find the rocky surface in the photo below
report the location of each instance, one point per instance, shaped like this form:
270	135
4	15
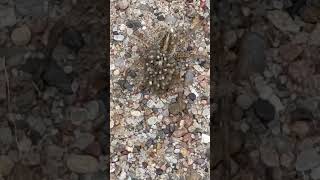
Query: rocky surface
274	47
52	105
159	136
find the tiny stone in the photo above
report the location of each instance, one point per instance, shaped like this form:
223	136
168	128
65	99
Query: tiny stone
264	110
269	156
159	171
205	138
8	16
122	27
192	96
189	76
300	128
315	173
134	24
82	163
152	121
129	31
170	19
180	132
5	136
116	72
123	4
307	160
118	37
287	159
161	17
135	113
6	165
67	69
21	36
244	127
244	101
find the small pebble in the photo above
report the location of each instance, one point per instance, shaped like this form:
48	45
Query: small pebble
21	36
161	17
67	69
116	72
180	132
192	96
205	138
135	113
122	27
118	37
129	31
122	4
159	171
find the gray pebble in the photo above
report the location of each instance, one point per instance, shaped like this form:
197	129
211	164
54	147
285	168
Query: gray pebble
244	101
83	140
134	24
160	17
170	20
192	96
78	115
37	124
315	173
31	7
252	56
188	77
307	160
82	163
5	136
93	109
123	4
7	16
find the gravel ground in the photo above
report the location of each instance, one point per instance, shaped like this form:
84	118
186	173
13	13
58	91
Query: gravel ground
153	136
52	106
274	124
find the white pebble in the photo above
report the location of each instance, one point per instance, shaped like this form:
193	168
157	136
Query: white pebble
134	48
123	175
116	72
130	149
111	124
205	138
135	113
129	31
122	27
118	37
152	121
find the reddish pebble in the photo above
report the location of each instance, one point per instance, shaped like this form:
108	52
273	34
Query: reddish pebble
94	149
180	132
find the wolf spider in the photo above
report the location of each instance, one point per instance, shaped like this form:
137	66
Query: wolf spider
162	61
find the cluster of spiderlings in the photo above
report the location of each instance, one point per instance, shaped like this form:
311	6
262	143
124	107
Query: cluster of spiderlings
160	71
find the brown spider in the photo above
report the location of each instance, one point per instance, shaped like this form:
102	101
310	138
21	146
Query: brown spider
162	61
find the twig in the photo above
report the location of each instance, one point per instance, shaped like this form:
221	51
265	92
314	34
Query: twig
9	100
37	88
7	83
